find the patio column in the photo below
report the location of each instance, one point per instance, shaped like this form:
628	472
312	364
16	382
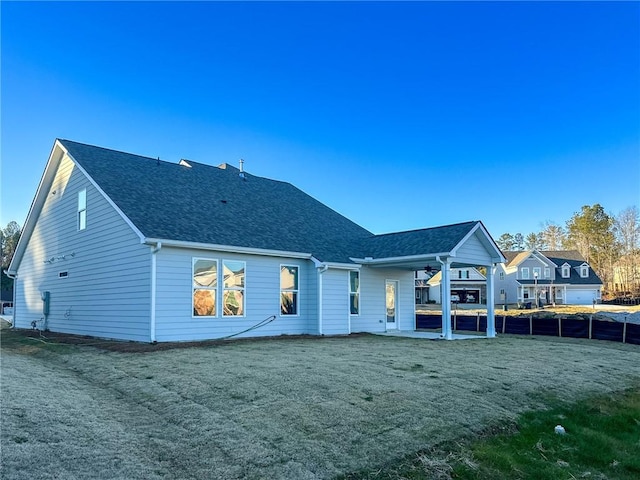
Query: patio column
491	318
446	299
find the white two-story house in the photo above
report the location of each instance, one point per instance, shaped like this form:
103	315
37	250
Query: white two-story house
546	277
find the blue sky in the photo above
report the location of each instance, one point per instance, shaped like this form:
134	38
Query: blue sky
397	115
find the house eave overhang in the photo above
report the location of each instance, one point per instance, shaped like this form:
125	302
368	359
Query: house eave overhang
226	248
412	262
57	152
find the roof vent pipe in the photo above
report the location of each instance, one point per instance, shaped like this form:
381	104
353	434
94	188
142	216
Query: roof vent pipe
242	169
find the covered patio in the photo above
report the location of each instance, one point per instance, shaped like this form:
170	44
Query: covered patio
440	249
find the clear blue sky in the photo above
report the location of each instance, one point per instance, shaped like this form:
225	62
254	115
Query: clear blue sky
397	115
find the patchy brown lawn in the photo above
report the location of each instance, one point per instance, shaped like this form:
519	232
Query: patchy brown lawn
285	408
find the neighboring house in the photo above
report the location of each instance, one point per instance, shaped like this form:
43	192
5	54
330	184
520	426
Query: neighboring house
129	247
550	277
468	285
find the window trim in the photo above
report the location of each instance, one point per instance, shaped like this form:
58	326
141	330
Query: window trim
537	270
296	291
524	270
584	271
81	217
547	272
242	289
567	269
215	289
356	293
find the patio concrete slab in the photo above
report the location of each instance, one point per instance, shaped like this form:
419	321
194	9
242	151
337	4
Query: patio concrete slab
427	335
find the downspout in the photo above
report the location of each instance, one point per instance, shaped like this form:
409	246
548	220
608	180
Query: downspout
321	270
152	326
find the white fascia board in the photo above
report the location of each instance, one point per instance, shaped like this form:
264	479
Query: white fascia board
343	266
57	152
408	258
227	248
106	197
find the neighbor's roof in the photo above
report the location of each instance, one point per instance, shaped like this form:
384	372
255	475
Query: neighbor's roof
559	257
215	205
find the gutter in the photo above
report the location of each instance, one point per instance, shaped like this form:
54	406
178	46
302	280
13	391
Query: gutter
152	323
227	248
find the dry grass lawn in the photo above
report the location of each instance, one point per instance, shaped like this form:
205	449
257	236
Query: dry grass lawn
302	408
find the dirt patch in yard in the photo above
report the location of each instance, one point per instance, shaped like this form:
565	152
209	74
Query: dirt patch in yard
294	408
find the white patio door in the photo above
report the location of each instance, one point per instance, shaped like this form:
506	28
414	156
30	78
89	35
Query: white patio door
391	304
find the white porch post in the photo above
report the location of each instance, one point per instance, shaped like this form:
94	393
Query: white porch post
491	318
446	299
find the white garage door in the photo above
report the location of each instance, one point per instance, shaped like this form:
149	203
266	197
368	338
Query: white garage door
580	297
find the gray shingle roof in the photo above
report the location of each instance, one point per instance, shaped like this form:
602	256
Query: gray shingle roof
416	242
215	205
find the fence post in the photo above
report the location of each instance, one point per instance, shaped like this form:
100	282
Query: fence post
560	327
590	325
455	320
504	323
478	321
530	324
624	331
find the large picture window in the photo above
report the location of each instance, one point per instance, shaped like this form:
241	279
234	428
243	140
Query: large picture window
288	290
233	293
354	292
205	285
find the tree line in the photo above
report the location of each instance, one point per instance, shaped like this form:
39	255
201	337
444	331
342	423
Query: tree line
610	243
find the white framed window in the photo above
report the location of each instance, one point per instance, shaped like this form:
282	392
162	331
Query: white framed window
584	271
289	290
566	273
233	272
82	209
524	273
205	287
536	272
547	272
354	292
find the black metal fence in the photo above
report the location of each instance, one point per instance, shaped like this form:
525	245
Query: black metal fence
531	325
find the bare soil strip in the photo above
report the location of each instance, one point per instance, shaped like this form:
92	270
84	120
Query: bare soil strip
300	408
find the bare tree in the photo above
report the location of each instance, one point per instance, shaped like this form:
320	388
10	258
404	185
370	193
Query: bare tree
627	232
553	236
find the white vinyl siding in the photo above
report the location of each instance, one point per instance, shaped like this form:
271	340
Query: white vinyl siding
372	314
262	298
107	289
